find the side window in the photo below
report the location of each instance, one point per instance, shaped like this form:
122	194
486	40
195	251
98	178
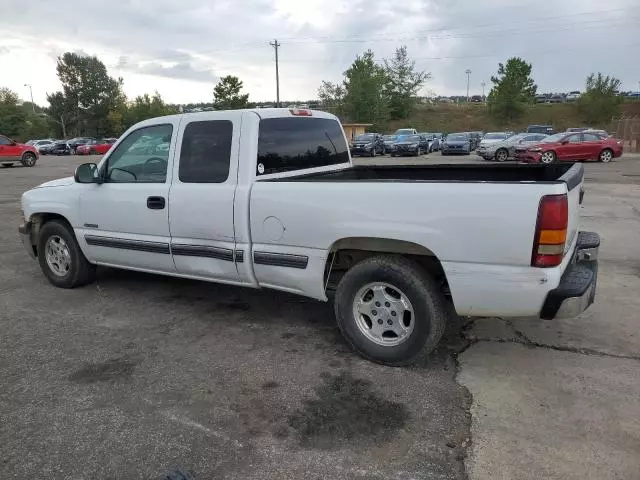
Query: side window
142	157
591	137
205	154
575	138
4	141
294	143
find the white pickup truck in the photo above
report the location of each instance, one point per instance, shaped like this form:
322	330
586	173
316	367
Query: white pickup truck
269	198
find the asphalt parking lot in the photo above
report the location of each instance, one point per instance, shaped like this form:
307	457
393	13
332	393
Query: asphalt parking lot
137	375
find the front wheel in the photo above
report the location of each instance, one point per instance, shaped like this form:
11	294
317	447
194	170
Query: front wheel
502	155
605	156
60	257
548	157
373	152
390	310
28	159
418	152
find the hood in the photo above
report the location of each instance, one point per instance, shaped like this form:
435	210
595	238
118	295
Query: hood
457	142
490	141
61	182
406	141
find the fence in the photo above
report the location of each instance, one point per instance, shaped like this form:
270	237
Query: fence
627	129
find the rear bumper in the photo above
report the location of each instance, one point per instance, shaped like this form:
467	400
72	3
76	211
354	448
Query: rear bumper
25	236
577	288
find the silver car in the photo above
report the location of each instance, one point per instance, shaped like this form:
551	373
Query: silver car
506	149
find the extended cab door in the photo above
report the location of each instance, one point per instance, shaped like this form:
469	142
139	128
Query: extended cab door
9	150
592	145
571	148
201	200
125	221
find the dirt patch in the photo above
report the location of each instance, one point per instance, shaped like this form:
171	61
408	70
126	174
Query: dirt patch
347	410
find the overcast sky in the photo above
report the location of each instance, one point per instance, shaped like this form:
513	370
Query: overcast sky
181	47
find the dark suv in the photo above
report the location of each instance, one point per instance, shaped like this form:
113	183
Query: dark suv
368	144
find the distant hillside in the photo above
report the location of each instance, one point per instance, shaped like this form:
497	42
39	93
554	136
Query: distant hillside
469	117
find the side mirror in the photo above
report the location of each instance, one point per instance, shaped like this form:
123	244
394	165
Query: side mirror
564	142
86	173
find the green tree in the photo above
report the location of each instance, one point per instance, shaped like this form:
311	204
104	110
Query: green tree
89	93
144	107
364	83
331	97
12	115
513	89
227	96
403	83
600	100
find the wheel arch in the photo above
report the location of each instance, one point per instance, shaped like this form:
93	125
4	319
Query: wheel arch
347	252
38	220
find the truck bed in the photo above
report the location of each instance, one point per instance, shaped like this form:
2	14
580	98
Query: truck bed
504	173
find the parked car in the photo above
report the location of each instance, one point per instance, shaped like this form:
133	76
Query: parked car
577	129
475	138
409	145
40	144
457	143
74	143
546	129
273	201
96	147
402	132
573	96
572	147
493	137
389	142
476	99
541	98
368	144
12	152
506	149
434	143
556	99
60	147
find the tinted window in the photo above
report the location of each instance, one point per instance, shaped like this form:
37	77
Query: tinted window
205	155
4	141
287	144
142	157
574	138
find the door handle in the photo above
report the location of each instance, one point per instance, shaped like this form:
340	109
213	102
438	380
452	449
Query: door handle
155	203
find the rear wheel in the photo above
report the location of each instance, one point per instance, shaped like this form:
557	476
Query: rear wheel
373	152
390	310
548	157
606	155
502	155
28	159
60	257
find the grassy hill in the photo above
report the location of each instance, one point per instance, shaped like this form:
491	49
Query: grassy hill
469	117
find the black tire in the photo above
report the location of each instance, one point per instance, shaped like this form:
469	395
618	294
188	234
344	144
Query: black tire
603	157
72	151
418	152
384	150
549	154
373	152
502	154
28	159
393	154
81	271
442	152
428	303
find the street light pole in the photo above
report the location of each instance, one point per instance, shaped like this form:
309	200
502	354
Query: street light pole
33	105
468	72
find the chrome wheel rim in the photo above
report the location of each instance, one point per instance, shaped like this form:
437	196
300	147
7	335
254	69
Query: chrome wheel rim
502	156
58	256
29	160
383	314
547	157
605	156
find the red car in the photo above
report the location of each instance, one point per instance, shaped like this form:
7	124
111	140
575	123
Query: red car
96	147
11	152
572	147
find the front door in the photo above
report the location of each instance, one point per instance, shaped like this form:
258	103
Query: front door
9	151
124	222
201	200
571	148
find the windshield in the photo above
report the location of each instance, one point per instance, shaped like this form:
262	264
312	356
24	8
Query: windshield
389	137
412	138
496	136
405	131
428	136
457	137
367	137
553	138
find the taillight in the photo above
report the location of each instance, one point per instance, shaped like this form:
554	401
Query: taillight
551	231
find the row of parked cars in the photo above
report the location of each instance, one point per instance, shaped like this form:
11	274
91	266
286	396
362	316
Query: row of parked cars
405	141
75	146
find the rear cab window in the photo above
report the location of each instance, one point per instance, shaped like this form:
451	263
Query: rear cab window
288	144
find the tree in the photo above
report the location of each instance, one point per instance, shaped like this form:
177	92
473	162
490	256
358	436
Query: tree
12	115
513	88
403	83
364	99
331	97
227	96
144	107
88	93
600	101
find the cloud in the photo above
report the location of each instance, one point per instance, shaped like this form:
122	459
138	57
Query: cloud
180	70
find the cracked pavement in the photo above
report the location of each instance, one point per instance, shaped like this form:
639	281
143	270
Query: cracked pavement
560	399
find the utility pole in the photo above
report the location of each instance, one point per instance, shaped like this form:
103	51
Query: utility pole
468	72
483	85
33	105
275	45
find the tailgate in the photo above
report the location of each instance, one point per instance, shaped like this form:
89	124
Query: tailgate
573	179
